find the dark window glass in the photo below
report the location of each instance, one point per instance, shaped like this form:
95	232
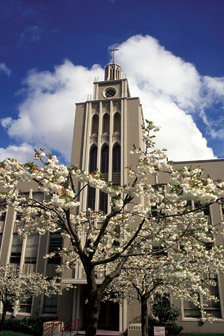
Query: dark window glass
93	159
116	159
91	197
106	123
16	249
103	201
92	168
2	216
50	304
31	249
95	123
25	305
117	122
55	244
104	159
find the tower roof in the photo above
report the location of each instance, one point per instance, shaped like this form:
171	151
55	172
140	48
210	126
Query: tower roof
113	71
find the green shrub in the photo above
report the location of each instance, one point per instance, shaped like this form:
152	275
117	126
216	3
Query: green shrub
164	314
32	326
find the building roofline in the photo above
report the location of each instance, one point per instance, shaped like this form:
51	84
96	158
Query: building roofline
104	100
109	81
199	161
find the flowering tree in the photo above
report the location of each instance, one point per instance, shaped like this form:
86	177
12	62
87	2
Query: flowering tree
16	286
160	271
104	243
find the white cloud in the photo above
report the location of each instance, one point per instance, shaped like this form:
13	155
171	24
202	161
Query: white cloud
170	90
46	117
5	69
5	122
157	70
22	153
215	84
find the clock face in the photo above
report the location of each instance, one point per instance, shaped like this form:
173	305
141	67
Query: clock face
110	92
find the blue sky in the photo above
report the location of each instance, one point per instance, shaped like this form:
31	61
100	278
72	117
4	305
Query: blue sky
171	50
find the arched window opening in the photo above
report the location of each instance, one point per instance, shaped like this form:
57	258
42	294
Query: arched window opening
92	168
116	159
91	197
93	159
105	160
117	122
106	123
95	124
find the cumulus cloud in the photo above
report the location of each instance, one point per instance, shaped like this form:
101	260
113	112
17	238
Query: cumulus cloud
46	117
172	92
215	84
22	153
5	122
154	69
4	69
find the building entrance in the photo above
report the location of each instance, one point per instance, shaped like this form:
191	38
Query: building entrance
109	313
109	316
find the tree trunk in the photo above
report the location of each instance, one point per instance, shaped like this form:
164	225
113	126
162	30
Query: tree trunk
3	316
144	316
93	306
93	312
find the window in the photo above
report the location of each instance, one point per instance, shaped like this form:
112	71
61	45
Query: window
105	159
103	201
116	158
55	244
2	216
190	310
110	92
91	197
213	307
106	123
210	306
16	249
93	159
18	216
117	122
95	123
50	304
92	168
39	196
116	169
25	305
205	208
31	249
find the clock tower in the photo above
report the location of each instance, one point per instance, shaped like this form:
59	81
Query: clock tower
106	127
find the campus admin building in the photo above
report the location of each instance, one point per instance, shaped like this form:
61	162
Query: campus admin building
106	127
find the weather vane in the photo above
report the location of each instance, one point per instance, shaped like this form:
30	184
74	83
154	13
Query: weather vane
114	49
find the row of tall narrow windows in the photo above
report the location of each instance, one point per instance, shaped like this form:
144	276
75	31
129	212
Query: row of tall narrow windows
106	124
55	243
116	169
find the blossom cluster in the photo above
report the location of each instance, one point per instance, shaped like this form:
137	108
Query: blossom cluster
148	224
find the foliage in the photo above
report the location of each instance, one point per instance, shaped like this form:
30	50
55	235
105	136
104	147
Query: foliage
32	326
164	314
142	216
